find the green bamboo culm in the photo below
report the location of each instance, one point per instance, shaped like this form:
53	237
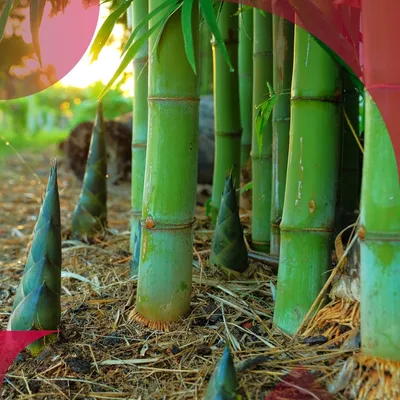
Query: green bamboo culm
380	241
228	129
134	266
37	304
206	63
169	197
350	182
89	218
308	219
283	36
245	64
223	383
228	248
139	126
261	158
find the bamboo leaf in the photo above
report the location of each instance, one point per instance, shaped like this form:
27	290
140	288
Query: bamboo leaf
36	14
264	111
4	17
271	90
208	207
209	16
247	187
106	29
134	266
262	12
145	21
353	77
187	32
129	57
259	127
243	9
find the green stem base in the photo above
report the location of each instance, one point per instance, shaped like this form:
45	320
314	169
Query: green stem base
380	298
304	259
261	204
165	278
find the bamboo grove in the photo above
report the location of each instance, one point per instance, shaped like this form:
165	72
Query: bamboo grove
286	115
286	124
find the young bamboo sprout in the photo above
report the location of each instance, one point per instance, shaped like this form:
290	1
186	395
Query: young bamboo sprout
90	215
228	250
37	303
223	382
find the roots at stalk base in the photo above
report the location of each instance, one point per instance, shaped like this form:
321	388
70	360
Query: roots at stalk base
135	316
368	378
331	320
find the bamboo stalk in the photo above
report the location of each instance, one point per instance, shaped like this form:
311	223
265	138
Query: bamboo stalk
261	158
206	62
228	130
309	205
169	197
379	241
139	128
283	35
245	96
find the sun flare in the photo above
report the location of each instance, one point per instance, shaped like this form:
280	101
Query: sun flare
86	73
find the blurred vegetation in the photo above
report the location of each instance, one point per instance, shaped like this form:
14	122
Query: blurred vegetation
11	143
48	116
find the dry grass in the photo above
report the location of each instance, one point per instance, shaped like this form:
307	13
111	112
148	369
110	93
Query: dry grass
101	355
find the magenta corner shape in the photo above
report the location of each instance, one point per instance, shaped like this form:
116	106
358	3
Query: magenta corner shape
12	343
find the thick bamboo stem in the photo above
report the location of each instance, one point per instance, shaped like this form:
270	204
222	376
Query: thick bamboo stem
206	62
169	197
139	127
310	197
228	130
246	93
261	158
283	36
379	241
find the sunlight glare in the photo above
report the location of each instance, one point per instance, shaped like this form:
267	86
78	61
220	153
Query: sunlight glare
84	74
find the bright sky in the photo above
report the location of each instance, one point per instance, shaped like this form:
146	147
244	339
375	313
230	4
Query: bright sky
104	67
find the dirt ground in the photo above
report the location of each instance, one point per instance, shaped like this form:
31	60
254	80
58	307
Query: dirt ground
99	355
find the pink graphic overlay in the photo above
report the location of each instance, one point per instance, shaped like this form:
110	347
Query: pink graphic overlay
63	38
300	384
12	343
